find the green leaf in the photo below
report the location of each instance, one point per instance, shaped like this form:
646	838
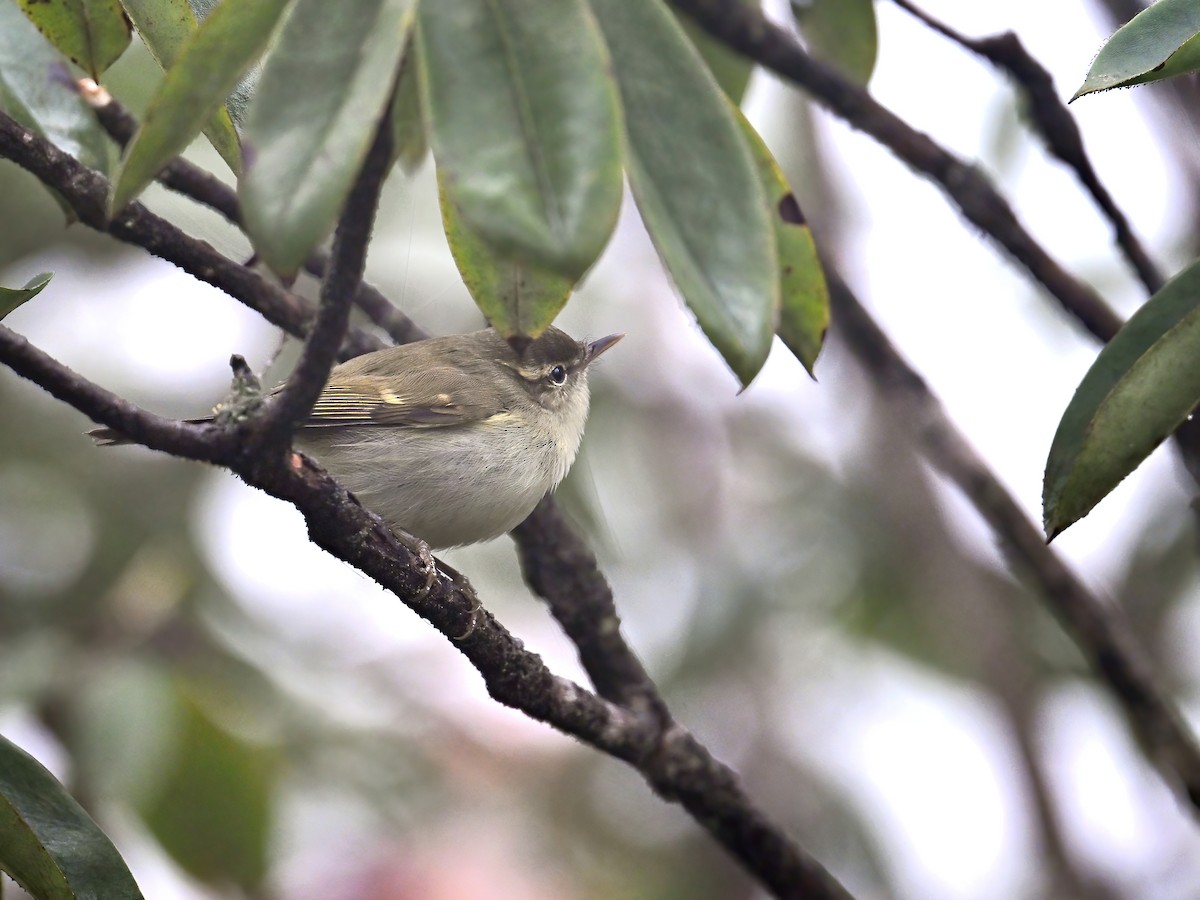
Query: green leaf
409	144
243	92
92	33
212	809
524	123
516	298
1156	43
48	844
164	25
206	69
304	148
730	68
1141	387
694	179
36	90
842	33
804	296
11	298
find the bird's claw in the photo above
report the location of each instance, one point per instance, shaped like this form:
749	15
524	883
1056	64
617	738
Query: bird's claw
476	606
460	580
430	564
434	569
423	553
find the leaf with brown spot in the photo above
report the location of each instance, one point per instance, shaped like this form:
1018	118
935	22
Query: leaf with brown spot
92	33
804	296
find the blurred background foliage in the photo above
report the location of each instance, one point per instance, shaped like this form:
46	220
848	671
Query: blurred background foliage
249	718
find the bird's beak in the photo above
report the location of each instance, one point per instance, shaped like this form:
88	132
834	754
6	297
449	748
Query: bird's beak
595	348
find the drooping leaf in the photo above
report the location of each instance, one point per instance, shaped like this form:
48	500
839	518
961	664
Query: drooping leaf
409	143
92	33
842	33
11	298
730	68
48	844
163	26
524	123
212	808
1141	387
1159	42
305	147
36	90
695	183
804	296
207	67
516	298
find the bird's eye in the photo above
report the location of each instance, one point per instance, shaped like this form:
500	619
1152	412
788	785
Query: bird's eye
557	375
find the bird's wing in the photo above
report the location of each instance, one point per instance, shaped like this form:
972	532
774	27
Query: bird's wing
439	397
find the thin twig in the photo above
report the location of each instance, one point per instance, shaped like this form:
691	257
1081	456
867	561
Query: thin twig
1056	125
292	405
560	568
179	175
378	308
205	443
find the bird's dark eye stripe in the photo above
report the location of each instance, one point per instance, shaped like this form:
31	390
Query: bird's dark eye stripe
558	375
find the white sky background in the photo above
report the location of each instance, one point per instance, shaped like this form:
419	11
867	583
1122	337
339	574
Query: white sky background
938	777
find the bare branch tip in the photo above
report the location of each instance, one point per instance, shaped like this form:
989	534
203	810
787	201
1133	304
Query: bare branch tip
96	96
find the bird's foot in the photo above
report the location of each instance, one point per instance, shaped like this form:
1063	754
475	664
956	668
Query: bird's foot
460	580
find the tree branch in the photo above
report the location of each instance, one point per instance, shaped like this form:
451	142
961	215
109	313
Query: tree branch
671	760
677	767
561	569
179	175
744	28
206	443
1097	628
292	405
556	562
1056	125
86	193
